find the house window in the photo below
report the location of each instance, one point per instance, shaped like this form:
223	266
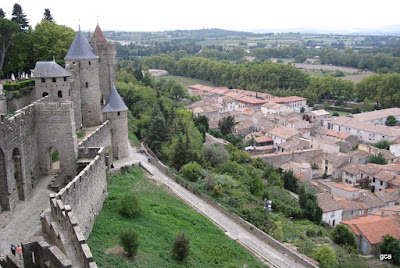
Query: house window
332	214
373	180
53	80
90	63
86	84
361	212
65	79
119	113
59	94
350	212
43	80
381	182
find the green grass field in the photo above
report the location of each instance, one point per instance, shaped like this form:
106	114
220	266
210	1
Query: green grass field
164	216
185	81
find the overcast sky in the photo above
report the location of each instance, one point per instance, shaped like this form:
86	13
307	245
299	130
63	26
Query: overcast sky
249	15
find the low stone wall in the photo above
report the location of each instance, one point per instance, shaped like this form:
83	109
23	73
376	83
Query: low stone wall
278	159
257	232
101	137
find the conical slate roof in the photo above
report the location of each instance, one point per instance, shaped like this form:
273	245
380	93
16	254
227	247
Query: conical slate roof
80	49
49	69
114	102
98	35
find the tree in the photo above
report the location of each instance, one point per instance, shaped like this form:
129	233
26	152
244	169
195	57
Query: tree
129	240
215	154
391	121
377	159
290	181
2	13
325	255
157	133
8	29
342	236
181	247
383	144
365	183
227	124
390	245
19	17
258	163
47	15
201	122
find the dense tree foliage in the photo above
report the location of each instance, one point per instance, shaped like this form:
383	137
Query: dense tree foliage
390	245
8	33
325	255
377	159
227	124
19	17
47	15
391	121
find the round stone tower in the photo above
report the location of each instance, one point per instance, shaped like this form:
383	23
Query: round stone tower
106	51
83	64
116	112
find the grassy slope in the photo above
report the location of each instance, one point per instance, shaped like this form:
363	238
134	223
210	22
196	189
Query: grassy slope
164	216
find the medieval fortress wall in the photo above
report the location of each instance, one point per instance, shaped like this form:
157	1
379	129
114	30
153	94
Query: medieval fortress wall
79	95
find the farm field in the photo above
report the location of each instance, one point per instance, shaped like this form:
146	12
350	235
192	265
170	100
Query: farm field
185	81
164	216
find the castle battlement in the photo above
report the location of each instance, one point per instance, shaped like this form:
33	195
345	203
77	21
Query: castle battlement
95	135
54	107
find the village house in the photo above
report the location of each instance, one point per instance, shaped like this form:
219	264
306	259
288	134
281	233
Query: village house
285	116
332	162
351	174
378	116
263	141
345	191
295	103
365	131
326	144
296	123
390	197
369	232
269	108
316	116
331	210
282	134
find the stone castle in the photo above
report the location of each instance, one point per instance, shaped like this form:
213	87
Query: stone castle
80	95
64	101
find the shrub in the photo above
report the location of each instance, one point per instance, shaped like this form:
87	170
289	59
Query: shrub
311	233
181	247
383	144
335	114
192	171
130	205
325	255
218	190
129	240
215	154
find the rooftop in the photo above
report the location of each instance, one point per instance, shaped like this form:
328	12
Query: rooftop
335	157
114	102
384	113
327	202
284	132
345	187
374	228
351	168
98	35
337	134
80	49
286	99
385	176
49	69
262	139
320	112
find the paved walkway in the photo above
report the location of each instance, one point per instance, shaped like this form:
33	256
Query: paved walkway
23	223
273	257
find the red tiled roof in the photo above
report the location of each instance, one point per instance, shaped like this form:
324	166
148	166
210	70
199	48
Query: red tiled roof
262	139
284	132
385	176
327	203
98	35
337	134
345	187
286	99
374	228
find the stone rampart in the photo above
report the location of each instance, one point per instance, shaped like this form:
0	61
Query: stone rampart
41	254
101	137
254	230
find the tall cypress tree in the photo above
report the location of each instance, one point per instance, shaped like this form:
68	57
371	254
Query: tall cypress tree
2	13
19	17
47	15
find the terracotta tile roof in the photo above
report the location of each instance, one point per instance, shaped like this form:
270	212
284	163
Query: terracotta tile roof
262	139
370	169
351	168
335	157
286	113
233	95
349	204
387	196
374	228
286	99
337	134
327	202
386	154
320	112
289	144
220	91
385	176
293	120
370	200
98	35
345	187
392	167
251	100
359	154
396	182
384	113
272	105
284	132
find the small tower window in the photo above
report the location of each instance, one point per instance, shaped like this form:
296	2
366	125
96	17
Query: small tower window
43	80
90	63
86	84
60	94
119	113
45	94
99	60
53	80
65	79
73	63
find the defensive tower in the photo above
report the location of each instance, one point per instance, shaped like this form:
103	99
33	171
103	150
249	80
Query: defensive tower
106	51
83	64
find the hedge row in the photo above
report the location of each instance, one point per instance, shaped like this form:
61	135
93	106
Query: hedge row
19	85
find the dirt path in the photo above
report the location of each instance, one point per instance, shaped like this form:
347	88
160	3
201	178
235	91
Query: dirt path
23	223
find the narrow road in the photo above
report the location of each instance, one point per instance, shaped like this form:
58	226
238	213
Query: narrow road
236	232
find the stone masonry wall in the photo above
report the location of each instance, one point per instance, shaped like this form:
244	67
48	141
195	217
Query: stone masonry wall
119	126
87	191
19	103
278	159
73	68
101	137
